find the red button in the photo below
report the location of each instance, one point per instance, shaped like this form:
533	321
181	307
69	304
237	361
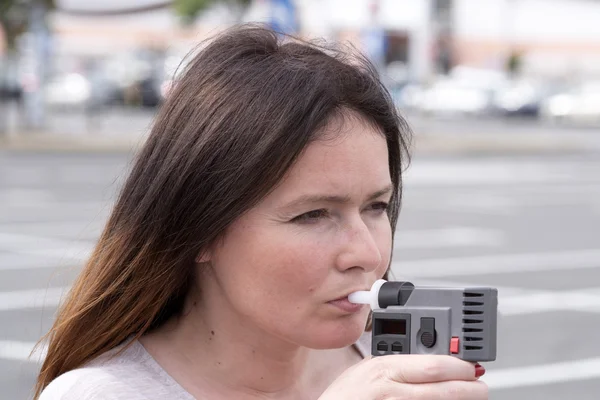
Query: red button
454	345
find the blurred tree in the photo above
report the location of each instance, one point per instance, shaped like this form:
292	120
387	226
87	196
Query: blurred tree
190	9
14	18
514	63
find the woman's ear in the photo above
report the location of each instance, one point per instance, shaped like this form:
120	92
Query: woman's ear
203	257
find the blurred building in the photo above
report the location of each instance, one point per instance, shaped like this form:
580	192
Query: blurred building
395	33
549	37
412	39
104	34
554	37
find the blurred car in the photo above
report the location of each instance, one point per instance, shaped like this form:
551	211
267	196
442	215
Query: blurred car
104	89
465	91
408	96
130	78
10	85
580	105
523	97
68	90
451	97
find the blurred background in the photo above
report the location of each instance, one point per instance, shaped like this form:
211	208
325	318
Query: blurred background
503	190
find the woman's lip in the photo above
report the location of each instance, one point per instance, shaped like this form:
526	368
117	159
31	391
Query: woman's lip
345	305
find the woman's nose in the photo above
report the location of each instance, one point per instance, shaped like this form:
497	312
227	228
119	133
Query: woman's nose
359	249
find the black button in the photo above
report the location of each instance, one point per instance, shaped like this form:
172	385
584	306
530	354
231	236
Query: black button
382	346
428	339
397	346
428	336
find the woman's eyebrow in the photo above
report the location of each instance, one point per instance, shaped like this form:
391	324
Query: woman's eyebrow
310	198
379	193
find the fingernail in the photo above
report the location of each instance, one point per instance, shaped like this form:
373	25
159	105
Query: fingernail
479	370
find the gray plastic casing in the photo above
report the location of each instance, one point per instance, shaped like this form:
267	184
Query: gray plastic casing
469	314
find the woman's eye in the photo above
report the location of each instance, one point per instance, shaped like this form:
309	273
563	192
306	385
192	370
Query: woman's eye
311	216
380	206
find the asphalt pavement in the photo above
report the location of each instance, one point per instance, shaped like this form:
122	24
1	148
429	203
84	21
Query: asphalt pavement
527	224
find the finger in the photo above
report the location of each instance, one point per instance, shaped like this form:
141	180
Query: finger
424	368
450	390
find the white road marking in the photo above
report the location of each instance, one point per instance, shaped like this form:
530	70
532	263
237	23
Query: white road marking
33	298
21	351
472	203
37	245
498	203
25	197
537	375
520	301
60	230
15	261
499	264
547	301
499	171
468	173
453	236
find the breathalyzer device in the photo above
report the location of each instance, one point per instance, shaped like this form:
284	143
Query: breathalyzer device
409	319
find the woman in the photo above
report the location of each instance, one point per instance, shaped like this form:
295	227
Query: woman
268	190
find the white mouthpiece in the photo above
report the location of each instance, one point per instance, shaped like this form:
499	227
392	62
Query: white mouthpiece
370	297
362	297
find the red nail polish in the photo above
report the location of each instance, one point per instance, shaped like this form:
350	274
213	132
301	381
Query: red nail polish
479	370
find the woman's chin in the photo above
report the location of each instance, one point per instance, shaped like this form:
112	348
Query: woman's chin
337	335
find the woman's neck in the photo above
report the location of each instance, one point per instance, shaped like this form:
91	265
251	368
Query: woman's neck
210	352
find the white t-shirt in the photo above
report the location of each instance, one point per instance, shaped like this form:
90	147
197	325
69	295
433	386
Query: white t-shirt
131	375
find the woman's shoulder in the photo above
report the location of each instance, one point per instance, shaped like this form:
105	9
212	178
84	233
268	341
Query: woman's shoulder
86	383
126	372
75	384
97	379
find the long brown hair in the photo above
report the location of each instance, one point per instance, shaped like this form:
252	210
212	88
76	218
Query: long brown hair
240	114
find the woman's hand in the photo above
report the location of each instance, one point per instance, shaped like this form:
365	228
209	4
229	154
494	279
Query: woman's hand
426	377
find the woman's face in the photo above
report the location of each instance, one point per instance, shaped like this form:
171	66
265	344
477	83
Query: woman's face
321	234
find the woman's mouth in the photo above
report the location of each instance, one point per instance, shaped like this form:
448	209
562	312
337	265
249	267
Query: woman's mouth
345	305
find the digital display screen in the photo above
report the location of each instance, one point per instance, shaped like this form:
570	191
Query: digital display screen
392	326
